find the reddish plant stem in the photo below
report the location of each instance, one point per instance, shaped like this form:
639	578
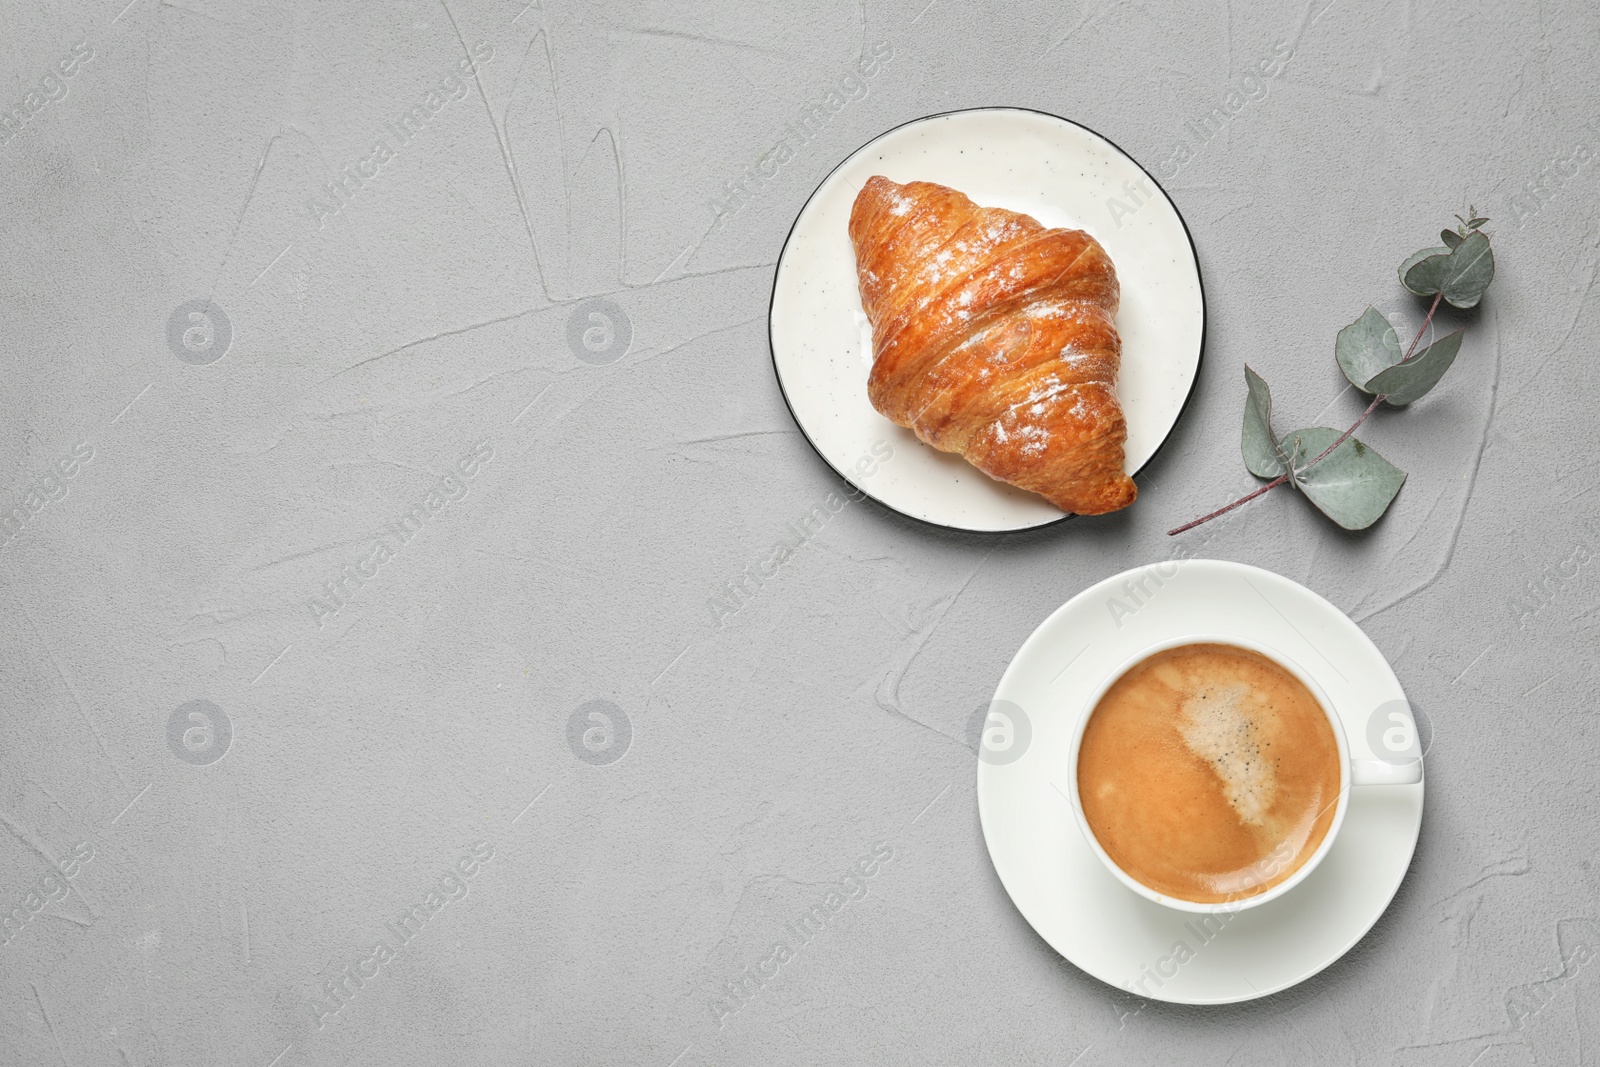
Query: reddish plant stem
1282	478
1424	327
1279	480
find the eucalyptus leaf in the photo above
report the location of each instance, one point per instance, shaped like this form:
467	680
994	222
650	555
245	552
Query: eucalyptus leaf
1417	257
1450	237
1262	457
1411	380
1461	275
1366	347
1353	486
1473	224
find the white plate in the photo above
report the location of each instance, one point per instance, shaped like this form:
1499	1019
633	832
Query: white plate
1068	895
1063	175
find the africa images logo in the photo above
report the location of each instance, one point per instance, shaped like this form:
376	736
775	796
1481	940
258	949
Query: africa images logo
738	592
199	732
341	987
1251	88
805	127
52	87
199	332
354	176
449	488
851	887
598	332
49	890
599	732
48	488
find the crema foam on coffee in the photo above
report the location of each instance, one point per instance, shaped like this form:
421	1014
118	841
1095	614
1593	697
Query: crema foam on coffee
1209	773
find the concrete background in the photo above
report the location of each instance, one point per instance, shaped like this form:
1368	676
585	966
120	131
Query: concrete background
435	713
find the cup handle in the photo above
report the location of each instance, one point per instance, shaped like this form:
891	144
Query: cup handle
1381	772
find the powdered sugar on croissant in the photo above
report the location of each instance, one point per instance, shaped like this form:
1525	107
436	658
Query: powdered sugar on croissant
993	338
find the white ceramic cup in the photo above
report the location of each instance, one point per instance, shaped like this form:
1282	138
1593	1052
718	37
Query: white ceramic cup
1358	772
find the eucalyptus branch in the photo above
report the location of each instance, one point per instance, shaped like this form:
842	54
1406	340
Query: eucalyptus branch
1285	477
1347	480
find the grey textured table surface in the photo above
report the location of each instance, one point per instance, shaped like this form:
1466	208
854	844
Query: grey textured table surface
397	726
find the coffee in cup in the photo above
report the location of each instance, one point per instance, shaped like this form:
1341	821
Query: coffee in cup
1209	772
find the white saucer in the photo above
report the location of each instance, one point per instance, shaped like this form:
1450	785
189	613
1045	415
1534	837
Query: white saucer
1068	895
1063	175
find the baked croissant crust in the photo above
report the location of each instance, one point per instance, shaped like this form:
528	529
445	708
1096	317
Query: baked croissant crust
993	337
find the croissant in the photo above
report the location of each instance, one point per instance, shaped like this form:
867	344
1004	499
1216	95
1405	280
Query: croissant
993	338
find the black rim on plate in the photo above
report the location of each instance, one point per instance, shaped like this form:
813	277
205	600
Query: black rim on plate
773	348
